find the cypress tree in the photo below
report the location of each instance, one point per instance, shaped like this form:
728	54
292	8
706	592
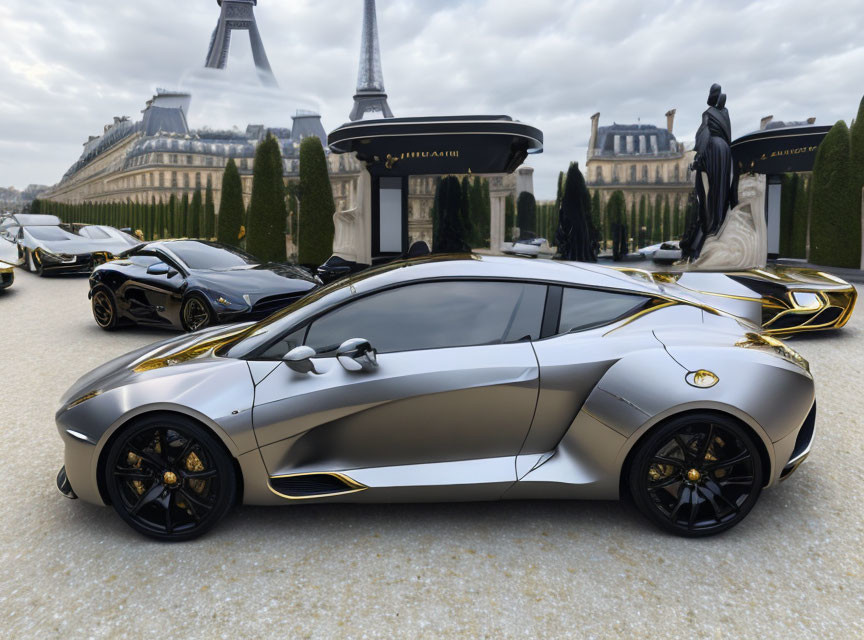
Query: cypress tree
676	220
193	220
316	229
638	235
616	210
450	232
487	211
231	207
172	216
526	213
800	215
466	212
856	159
835	223
667	215
559	197
209	226
788	191
509	218
183	231
632	229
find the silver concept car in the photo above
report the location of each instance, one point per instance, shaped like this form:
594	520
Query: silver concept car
448	378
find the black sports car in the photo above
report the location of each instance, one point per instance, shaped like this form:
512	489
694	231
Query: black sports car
191	284
41	243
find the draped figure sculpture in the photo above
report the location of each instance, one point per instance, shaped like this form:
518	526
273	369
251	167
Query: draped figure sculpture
716	179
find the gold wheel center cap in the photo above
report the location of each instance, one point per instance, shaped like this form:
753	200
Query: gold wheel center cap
169	477
693	475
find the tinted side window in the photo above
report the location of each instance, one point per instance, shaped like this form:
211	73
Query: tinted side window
583	309
435	315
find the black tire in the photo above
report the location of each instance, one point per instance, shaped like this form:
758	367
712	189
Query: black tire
696	475
104	308
169	478
195	313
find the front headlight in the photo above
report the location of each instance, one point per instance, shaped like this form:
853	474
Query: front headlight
84	398
775	346
228	302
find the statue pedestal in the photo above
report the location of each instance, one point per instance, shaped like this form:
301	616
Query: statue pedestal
742	242
353	227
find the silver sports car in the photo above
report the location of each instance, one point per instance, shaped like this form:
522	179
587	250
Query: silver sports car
448	378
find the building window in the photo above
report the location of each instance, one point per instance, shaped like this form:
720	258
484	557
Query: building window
161	179
173	178
208	161
659	176
186	180
632	173
190	160
243	164
677	173
198	180
644	173
159	158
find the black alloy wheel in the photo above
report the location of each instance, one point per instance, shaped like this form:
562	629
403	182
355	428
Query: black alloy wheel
697	475
196	313
104	309
169	478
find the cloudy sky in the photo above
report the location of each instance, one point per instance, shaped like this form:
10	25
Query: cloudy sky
68	66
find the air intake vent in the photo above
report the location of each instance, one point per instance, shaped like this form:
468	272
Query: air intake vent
314	485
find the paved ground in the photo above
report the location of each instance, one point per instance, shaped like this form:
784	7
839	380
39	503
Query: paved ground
794	569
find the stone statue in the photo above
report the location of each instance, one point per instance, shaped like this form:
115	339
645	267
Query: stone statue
716	180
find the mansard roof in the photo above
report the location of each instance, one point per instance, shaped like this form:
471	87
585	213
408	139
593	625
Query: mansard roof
605	142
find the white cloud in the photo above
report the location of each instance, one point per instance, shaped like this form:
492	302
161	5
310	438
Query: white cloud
67	67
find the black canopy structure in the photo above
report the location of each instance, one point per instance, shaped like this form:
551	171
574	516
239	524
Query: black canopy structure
779	150
438	145
773	151
393	149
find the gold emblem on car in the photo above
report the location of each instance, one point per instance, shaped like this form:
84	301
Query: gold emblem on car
169	477
693	475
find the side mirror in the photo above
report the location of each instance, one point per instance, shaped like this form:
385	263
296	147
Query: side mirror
357	354
158	269
299	359
172	272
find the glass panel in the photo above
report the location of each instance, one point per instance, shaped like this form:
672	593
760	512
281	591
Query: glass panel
583	309
390	207
435	315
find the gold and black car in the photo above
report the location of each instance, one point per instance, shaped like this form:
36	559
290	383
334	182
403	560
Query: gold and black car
781	300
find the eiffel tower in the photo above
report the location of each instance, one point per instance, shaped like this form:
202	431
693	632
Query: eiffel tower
370	96
238	15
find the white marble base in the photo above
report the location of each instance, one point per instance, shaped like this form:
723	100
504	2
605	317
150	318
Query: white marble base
742	242
352	239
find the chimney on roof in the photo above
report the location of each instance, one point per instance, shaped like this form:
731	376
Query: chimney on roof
811	120
592	142
764	122
670	119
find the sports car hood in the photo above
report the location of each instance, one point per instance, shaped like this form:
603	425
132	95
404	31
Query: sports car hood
158	356
258	281
82	246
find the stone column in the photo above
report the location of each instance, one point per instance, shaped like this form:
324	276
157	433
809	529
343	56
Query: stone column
496	227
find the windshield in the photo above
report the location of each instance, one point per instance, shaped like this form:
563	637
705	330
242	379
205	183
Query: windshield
93	232
49	233
200	255
262	331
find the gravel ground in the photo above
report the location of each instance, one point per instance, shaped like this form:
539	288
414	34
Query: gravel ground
794	568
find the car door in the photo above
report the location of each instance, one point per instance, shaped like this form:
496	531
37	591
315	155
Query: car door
457	381
573	356
153	297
